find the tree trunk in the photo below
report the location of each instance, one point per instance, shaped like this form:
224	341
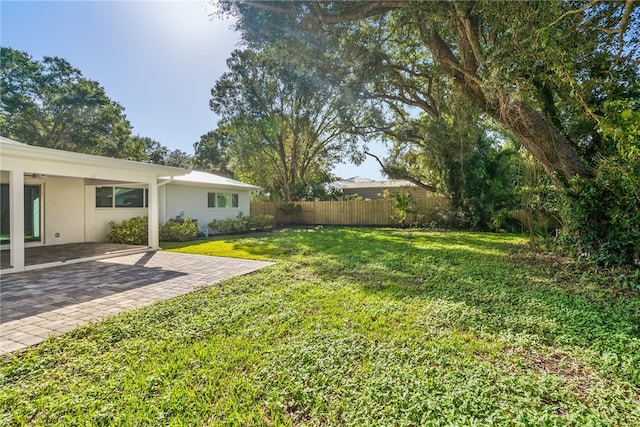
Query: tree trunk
553	151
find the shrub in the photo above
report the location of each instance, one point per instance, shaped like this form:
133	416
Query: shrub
242	224
261	222
133	231
179	230
403	206
602	215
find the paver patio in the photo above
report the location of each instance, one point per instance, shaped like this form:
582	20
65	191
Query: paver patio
36	304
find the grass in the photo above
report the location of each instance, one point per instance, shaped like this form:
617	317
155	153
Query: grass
258	247
352	327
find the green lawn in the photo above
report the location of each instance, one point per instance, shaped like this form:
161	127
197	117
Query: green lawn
351	327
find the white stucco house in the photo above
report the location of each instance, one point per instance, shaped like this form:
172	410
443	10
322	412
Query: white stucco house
54	197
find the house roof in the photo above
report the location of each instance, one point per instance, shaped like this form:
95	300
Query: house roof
11	148
70	163
394	183
208	179
357	179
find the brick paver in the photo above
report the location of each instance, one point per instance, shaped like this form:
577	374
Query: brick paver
40	303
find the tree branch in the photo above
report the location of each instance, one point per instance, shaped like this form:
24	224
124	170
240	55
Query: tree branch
624	23
356	11
398	174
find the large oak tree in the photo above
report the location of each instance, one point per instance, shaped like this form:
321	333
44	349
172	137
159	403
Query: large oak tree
282	126
540	69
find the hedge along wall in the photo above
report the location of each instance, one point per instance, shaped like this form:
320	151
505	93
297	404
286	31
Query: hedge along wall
351	212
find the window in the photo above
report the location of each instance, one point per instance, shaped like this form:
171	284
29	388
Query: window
129	197
104	197
222	200
121	197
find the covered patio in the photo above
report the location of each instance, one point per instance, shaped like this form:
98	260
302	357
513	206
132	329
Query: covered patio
53	198
71	253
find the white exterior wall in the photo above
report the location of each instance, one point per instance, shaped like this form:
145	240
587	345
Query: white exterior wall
64	203
97	219
192	200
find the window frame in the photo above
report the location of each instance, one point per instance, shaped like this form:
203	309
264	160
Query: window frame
113	197
231	200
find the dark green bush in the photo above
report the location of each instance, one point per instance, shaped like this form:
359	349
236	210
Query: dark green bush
179	231
261	222
242	224
602	215
133	231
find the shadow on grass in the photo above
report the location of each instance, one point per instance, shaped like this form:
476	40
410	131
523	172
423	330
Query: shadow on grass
500	294
506	296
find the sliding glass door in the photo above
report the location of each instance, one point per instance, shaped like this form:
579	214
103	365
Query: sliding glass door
32	213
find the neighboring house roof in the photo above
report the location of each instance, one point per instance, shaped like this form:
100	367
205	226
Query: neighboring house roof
394	183
357	179
208	179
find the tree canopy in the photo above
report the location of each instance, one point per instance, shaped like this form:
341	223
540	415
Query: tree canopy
542	70
280	125
51	104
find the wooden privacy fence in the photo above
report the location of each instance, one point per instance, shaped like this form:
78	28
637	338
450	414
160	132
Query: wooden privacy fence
352	212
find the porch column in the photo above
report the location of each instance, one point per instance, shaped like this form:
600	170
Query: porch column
16	219
154	239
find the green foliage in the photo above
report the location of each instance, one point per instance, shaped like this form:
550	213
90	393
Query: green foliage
210	151
133	231
482	183
540	72
261	222
351	327
314	189
350	197
602	216
51	104
621	125
242	224
403	206
279	125
179	231
156	153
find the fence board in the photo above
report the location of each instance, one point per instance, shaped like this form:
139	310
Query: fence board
352	212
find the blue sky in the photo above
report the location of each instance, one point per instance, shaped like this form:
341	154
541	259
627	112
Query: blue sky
158	59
